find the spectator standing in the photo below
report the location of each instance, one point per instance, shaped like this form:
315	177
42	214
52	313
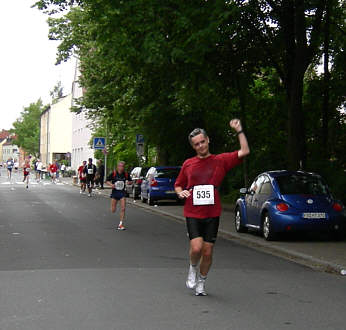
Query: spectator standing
101	173
63	169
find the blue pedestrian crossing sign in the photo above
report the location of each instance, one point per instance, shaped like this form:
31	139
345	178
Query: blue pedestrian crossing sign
99	143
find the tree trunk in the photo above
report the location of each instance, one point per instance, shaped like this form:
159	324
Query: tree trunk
296	124
243	119
296	65
326	83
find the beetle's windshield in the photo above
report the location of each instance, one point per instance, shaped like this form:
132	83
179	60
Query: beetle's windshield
170	173
294	184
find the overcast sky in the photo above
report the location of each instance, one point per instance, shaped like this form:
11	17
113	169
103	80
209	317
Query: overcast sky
27	60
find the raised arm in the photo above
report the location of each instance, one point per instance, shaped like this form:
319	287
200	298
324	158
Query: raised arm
244	146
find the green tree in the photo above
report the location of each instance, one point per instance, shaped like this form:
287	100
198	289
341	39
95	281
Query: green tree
27	128
57	92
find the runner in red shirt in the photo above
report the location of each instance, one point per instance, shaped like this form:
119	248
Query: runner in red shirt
82	177
53	169
198	183
26	170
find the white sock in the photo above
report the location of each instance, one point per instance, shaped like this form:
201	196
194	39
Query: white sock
202	278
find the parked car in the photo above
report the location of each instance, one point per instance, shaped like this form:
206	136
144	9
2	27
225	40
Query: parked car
159	184
133	188
284	201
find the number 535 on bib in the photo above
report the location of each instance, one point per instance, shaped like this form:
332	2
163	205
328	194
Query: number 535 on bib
203	195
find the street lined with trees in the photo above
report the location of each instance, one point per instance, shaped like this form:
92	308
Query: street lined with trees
164	68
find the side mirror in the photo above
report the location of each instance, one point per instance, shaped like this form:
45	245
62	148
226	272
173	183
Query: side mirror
243	191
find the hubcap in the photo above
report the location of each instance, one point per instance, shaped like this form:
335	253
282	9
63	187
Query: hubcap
237	220
266	227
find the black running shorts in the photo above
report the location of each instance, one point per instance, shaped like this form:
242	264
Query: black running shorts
90	180
206	228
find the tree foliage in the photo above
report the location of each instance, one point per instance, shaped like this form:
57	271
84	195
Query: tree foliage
27	128
162	68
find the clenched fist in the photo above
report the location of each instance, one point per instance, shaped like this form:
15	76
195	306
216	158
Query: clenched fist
236	125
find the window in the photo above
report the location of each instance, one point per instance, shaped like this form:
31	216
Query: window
170	173
297	184
256	186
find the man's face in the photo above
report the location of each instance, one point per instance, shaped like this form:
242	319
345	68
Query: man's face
84	163
201	144
121	168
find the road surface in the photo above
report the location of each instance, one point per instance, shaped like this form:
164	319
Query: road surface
64	266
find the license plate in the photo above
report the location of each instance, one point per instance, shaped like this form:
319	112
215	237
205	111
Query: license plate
170	192
314	215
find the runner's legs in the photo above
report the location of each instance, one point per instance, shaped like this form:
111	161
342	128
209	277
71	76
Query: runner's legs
207	258
123	208
113	205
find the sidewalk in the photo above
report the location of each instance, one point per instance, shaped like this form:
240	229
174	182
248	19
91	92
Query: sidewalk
320	253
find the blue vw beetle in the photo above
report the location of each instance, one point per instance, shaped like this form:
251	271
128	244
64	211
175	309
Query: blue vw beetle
285	201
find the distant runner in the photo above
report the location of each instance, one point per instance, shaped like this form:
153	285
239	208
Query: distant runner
90	171
198	182
82	177
117	180
53	168
26	170
9	165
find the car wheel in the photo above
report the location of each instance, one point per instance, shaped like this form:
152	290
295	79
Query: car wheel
149	200
338	235
267	228
238	222
134	193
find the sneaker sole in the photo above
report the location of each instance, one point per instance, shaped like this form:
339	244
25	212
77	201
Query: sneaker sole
202	294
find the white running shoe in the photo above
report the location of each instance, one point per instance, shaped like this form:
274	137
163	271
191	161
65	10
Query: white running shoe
89	195
200	288
81	191
191	278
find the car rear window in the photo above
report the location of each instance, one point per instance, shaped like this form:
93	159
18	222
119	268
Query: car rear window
302	184
170	173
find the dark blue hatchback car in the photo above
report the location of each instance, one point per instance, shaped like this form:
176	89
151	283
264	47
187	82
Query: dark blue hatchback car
159	184
284	201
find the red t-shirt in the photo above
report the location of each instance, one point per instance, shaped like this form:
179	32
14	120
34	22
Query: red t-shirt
80	171
205	171
53	168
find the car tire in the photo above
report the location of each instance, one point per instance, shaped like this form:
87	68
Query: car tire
238	222
338	235
267	228
149	200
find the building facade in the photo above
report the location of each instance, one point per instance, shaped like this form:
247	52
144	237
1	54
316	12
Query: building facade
56	131
81	133
10	150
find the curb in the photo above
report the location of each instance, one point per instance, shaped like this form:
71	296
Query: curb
287	254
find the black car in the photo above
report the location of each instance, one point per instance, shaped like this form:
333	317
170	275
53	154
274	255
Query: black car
133	189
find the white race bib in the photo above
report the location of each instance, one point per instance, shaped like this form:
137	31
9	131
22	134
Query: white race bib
27	170
90	171
203	195
119	185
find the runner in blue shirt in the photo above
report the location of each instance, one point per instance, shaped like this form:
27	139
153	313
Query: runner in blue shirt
117	180
9	165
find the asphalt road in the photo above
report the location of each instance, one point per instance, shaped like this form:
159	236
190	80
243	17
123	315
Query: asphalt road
64	266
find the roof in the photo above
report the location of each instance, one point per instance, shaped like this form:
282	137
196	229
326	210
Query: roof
278	173
4	134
